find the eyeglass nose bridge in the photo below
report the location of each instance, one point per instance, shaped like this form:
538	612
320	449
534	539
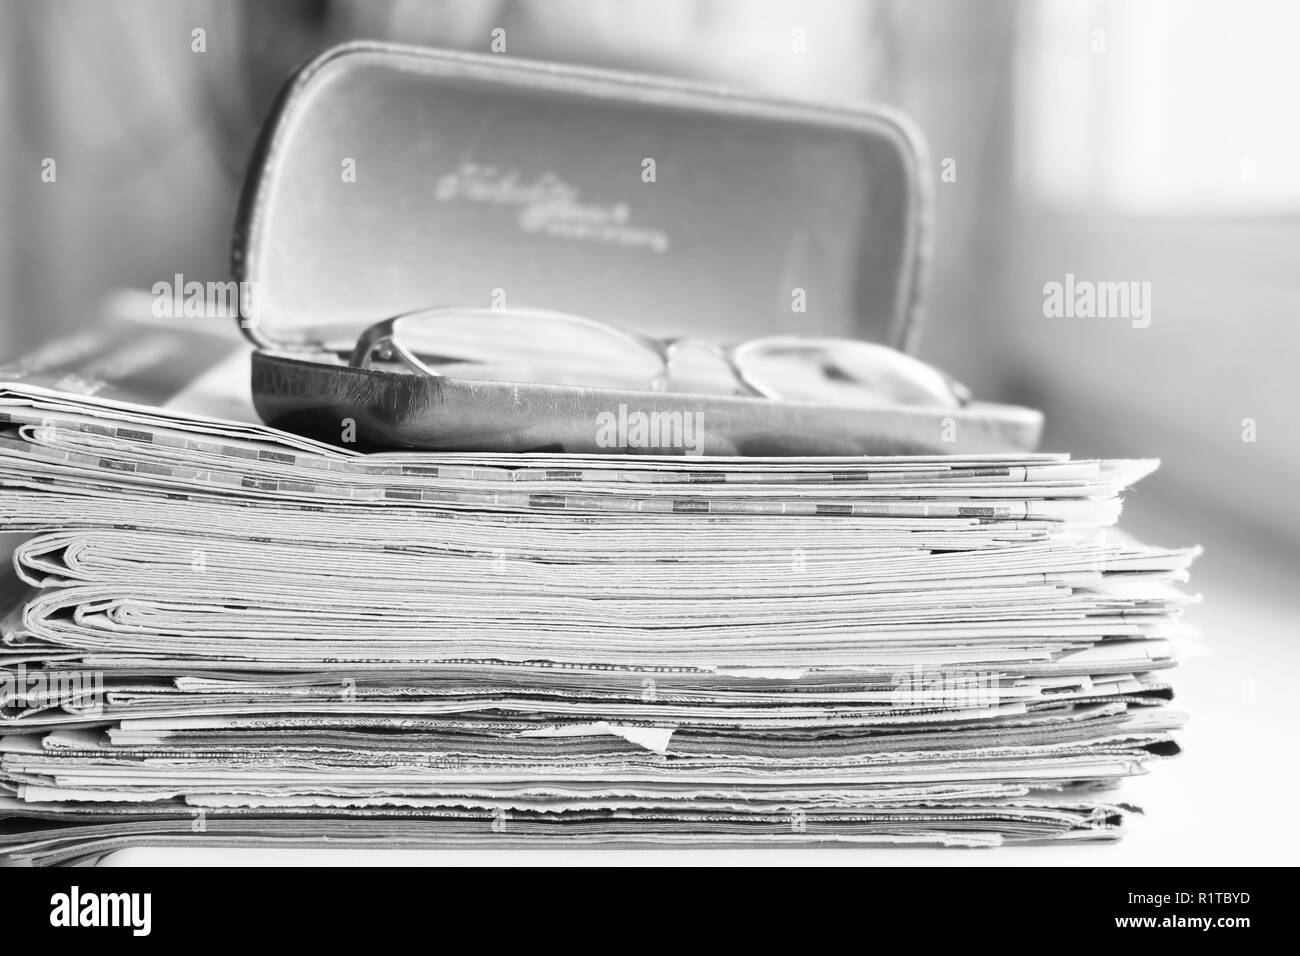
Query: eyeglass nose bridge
671	346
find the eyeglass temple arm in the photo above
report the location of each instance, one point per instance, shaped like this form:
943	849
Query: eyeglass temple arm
381	333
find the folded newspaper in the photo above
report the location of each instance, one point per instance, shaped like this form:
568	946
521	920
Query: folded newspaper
227	635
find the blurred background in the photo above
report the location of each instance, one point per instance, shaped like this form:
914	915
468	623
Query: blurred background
1117	140
1139	140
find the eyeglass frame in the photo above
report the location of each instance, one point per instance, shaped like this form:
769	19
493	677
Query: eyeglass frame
382	333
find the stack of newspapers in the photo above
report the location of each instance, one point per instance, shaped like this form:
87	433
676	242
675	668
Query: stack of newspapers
225	635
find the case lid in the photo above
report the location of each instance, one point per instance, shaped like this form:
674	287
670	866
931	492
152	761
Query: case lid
389	179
